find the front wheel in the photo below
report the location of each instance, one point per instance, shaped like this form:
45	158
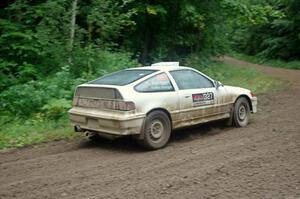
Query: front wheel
241	112
157	130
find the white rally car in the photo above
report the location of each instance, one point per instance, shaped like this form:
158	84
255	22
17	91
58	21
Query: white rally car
149	102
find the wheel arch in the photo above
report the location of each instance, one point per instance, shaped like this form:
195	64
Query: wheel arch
163	110
248	99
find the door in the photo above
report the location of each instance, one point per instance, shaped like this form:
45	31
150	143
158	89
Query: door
199	98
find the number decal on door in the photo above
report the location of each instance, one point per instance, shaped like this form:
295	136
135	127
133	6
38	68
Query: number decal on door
200	99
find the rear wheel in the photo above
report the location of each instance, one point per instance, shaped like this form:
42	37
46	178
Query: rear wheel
157	130
241	112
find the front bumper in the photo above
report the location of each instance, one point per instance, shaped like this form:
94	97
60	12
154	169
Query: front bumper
113	123
254	104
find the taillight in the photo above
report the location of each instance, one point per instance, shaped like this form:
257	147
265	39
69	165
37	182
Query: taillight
252	94
104	104
75	101
124	106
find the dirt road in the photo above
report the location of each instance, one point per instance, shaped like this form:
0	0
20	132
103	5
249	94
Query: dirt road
207	161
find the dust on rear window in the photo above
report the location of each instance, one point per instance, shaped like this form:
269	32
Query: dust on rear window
122	77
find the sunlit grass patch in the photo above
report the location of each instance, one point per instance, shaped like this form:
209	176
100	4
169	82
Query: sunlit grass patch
19	133
269	62
243	77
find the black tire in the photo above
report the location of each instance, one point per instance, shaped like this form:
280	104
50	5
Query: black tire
241	112
157	130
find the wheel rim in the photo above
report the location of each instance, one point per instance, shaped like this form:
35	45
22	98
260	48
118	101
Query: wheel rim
156	129
242	112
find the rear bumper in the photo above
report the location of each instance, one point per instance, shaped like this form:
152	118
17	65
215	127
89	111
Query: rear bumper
118	124
254	104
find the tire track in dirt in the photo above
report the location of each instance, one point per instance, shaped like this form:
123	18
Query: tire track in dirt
205	161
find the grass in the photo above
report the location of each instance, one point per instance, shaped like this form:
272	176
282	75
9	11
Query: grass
249	78
269	62
19	132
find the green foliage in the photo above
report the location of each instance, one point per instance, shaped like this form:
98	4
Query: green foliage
56	108
52	94
106	19
25	99
92	61
171	30
276	36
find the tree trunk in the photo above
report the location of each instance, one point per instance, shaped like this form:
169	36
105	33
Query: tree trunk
90	32
72	30
145	50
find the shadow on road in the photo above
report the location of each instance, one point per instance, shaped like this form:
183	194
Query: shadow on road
198	131
129	145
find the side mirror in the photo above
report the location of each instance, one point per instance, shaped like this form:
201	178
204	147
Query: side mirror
218	84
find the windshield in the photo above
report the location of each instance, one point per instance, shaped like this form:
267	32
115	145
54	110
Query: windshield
123	77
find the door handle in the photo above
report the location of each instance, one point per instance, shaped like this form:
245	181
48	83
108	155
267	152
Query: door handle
188	96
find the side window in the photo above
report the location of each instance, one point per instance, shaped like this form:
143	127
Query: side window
157	83
189	79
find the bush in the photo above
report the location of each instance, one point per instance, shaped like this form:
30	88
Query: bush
25	99
93	62
56	108
52	96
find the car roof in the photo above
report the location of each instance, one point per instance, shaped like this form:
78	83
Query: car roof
160	68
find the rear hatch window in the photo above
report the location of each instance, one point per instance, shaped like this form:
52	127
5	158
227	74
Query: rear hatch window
96	92
123	77
101	98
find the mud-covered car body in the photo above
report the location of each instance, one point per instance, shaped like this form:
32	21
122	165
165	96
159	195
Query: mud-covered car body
118	104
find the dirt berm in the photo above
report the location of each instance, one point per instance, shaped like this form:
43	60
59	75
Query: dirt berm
206	161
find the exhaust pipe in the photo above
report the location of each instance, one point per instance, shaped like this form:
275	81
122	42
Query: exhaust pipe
78	129
89	134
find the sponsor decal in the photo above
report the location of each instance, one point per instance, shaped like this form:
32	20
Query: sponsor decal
200	99
162	77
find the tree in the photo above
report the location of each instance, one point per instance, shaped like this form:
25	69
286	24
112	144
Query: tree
72	29
276	36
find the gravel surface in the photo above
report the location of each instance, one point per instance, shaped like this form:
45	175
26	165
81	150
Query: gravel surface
205	161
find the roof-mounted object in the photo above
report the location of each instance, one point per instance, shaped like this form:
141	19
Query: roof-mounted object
173	64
